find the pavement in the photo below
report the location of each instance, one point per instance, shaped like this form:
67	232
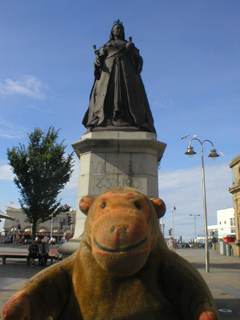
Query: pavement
223	278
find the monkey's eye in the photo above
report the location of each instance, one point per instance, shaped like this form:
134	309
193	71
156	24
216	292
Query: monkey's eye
103	205
137	205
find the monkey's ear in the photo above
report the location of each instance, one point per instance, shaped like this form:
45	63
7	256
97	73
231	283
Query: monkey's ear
85	203
159	206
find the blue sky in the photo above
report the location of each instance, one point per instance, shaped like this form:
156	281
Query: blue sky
191	53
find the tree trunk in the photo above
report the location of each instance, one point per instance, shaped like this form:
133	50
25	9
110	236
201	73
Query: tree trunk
34	227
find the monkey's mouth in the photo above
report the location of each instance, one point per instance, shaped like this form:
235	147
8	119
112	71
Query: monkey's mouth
119	250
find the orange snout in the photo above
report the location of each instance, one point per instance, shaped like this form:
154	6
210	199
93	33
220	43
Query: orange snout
116	236
121	243
119	233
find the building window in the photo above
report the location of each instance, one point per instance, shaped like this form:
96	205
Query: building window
232	222
220	222
225	222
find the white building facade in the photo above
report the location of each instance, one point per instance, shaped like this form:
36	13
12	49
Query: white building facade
226	224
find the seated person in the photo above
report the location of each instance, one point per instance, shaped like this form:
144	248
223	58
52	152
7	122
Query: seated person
43	253
33	252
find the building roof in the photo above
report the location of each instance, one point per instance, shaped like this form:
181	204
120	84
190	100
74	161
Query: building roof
234	161
5	215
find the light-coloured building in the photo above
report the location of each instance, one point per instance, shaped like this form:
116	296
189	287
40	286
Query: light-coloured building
54	227
225	224
235	191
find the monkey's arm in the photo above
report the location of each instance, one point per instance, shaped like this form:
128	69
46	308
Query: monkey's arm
44	295
185	288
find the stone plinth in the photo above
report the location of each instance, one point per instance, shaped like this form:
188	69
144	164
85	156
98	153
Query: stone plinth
110	159
116	159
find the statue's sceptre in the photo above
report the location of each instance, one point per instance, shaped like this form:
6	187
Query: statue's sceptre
95	51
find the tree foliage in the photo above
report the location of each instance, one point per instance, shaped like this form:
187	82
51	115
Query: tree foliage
41	171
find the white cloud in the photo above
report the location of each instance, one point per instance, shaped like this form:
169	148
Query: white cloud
73	183
162	104
182	188
11	130
27	85
6	173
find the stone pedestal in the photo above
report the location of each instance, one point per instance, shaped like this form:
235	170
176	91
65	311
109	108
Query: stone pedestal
110	159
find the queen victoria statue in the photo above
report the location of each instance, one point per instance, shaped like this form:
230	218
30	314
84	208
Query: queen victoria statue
118	99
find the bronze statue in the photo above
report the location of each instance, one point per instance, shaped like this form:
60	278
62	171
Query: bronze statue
118	99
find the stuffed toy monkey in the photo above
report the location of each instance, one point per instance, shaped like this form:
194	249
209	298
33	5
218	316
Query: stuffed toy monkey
123	270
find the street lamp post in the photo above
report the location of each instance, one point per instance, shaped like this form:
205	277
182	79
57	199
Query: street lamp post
194	215
173	208
213	155
162	225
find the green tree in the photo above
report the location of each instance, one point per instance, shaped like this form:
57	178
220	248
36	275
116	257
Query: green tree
41	172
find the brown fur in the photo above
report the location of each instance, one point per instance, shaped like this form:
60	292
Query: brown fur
122	270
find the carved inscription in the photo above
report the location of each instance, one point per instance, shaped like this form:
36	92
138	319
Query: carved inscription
116	173
133	183
106	182
128	167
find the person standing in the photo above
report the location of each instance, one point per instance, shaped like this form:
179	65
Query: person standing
52	241
171	244
64	239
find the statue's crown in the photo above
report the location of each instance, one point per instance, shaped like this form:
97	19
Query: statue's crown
117	22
